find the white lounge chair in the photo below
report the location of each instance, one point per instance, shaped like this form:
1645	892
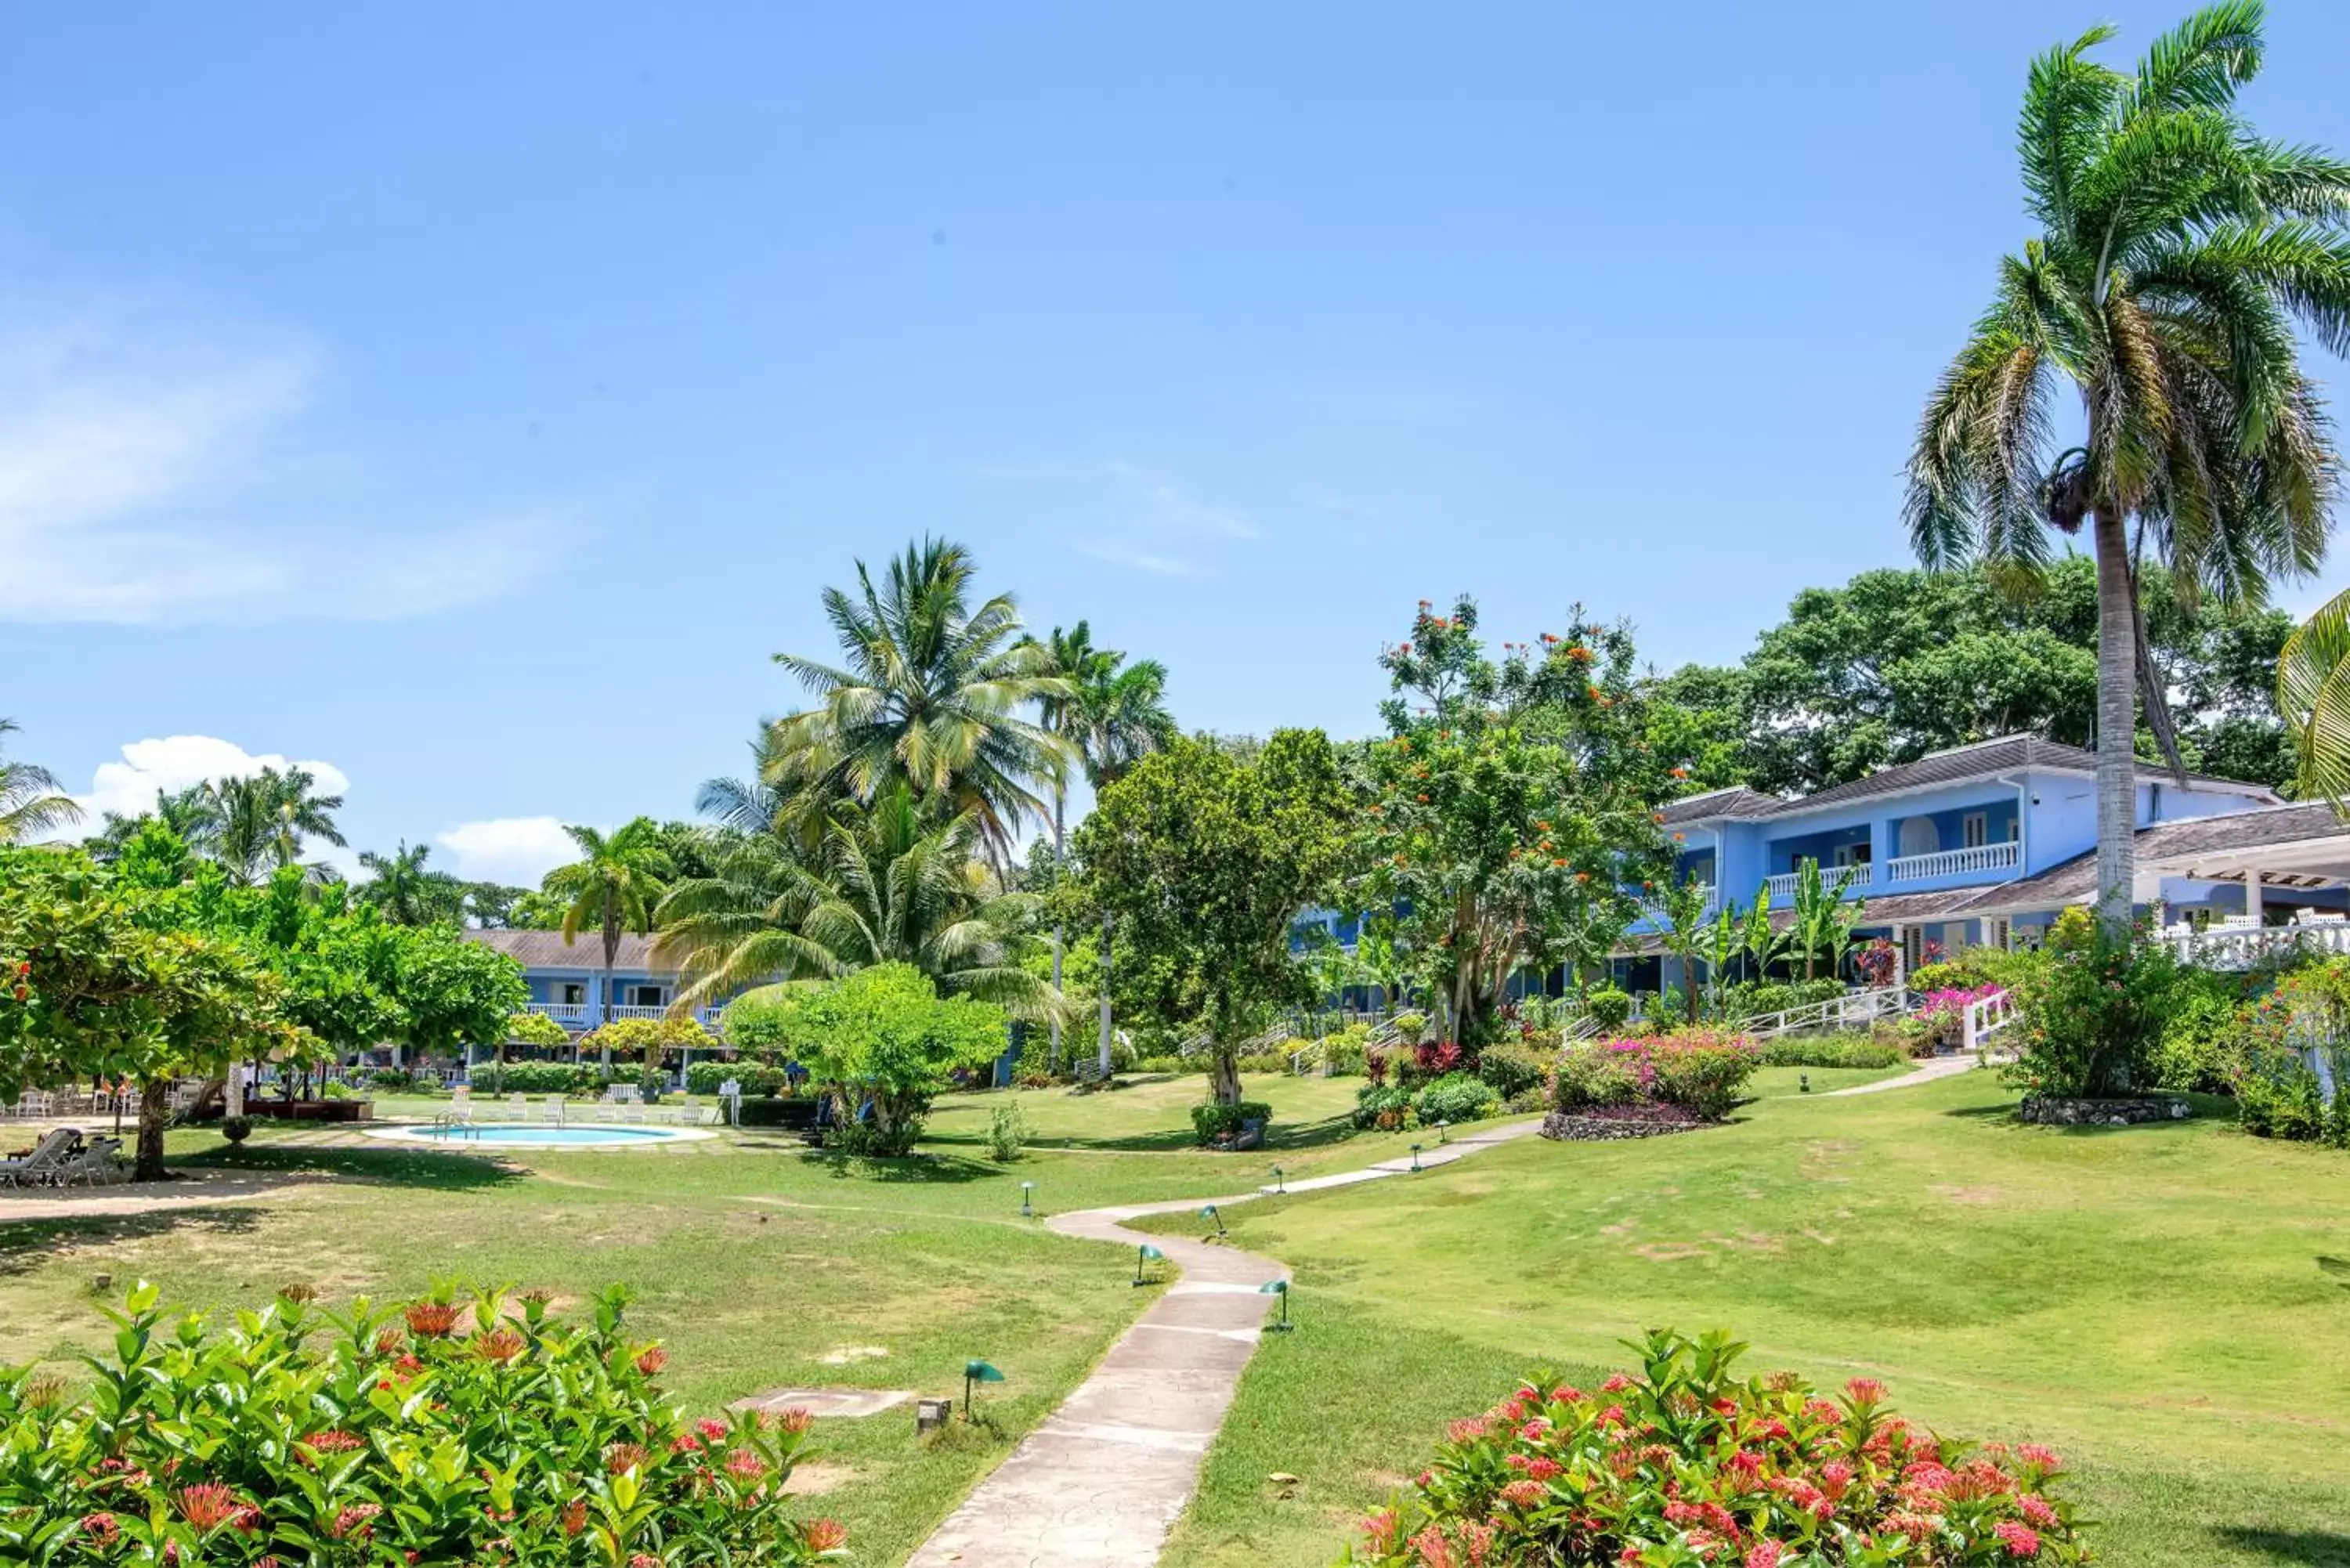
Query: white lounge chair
93	1165
518	1107
41	1167
632	1111
550	1109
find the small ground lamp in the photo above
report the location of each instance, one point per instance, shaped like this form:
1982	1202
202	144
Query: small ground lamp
1027	1191
1144	1256
1278	1287
1804	1082
1209	1213
1414	1160
1277	1187
1441	1137
975	1372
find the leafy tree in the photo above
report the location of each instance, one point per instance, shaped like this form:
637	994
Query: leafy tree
882	1042
31	804
1691	930
648	1039
882	885
1508	807
407	893
1824	918
2313	691
98	986
1204	862
1114	714
929	694
614	886
2176	249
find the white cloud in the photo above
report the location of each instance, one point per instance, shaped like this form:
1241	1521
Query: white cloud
516	850
1133	515
175	761
1140	560
152	473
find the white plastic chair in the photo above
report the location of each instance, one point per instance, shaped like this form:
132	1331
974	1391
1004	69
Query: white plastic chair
518	1107
550	1109
632	1111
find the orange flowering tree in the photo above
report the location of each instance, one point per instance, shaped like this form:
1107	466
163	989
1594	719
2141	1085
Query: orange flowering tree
1510	811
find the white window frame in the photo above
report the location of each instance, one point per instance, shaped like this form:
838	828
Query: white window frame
1974	830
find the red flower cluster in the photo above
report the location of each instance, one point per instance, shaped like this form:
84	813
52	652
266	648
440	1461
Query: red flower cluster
1696	1465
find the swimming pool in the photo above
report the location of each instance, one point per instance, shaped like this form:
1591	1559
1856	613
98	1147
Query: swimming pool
528	1134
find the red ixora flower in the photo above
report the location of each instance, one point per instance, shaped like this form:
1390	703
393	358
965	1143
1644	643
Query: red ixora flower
575	1516
207	1504
100	1528
431	1319
795	1420
652	1360
354	1520
501	1345
744	1464
622	1457
2019	1539
826	1534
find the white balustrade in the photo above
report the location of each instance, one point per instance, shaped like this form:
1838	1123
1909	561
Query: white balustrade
561	1012
1986	1016
2004	856
2247	947
633	1009
1783	885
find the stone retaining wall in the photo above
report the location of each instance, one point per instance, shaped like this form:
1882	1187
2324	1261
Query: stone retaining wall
2054	1112
1567	1127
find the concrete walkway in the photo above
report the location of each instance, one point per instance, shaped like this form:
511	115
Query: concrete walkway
1102	1480
1939	1068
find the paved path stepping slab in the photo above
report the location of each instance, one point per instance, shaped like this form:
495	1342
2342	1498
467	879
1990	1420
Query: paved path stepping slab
1102	1480
1939	1068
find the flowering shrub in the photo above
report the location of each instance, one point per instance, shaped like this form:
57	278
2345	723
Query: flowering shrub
1699	1071
1455	1097
2092	1016
1689	1465
436	1431
1943	1012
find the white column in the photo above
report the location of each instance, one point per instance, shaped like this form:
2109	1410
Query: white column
1901	957
236	1088
2252	893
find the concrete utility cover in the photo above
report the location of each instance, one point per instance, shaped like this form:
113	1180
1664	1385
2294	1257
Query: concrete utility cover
851	1402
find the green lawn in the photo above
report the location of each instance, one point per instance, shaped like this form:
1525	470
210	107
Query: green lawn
2165	1305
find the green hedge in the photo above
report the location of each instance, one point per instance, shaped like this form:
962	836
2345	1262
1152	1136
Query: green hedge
538	1078
1455	1097
756	1077
1212	1121
1832	1050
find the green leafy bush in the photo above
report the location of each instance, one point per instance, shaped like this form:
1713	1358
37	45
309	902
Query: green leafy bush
1512	1069
756	1077
1265	1061
236	1129
1752	999
1382	1106
2271	1046
1688	1463
1699	1071
1175	1064
1457	1098
2094	1015
1832	1051
2199	1034
1212	1121
1409	1026
1007	1133
538	1078
1610	1008
536	1029
438	1430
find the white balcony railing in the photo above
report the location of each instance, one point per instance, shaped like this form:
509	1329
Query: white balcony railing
1783	885
566	1012
2004	856
634	1009
2246	947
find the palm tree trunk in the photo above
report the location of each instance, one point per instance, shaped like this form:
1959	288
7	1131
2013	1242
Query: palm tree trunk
2116	727
603	998
1059	802
1104	982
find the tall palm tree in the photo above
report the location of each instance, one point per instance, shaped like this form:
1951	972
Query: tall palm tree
2177	250
614	886
1117	717
930	693
745	805
407	893
883	885
264	821
31	804
2312	696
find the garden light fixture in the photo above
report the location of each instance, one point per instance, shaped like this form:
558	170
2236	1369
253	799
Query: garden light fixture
1027	1210
1414	1160
1278	1287
1804	1082
976	1372
1277	1187
1145	1255
1441	1137
1209	1213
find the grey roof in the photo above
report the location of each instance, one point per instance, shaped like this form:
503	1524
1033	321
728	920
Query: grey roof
2007	755
1737	801
2074	881
547	949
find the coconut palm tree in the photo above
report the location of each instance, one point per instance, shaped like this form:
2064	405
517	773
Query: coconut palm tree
264	821
2312	695
31	804
883	885
1117	716
407	893
929	693
613	886
2177	251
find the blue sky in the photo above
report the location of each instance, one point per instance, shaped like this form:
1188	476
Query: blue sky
472	397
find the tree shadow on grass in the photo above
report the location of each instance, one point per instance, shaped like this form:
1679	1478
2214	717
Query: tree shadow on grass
444	1170
919	1169
26	1244
1280	1135
2312	1548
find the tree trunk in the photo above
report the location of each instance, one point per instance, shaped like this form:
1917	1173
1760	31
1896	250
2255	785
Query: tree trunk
1224	1074
1104	982
1059	802
153	1112
2116	729
604	996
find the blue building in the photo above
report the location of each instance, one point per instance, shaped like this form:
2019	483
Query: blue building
568	982
1988	843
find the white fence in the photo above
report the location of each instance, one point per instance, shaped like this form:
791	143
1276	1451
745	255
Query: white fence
1986	1016
2236	947
1853	1010
2001	856
1783	885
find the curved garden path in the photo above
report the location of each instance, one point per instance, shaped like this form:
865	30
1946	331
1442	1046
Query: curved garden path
1101	1481
1940	1067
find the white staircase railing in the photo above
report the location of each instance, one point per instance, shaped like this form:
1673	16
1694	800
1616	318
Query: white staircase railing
2247	947
1853	1010
1986	1016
